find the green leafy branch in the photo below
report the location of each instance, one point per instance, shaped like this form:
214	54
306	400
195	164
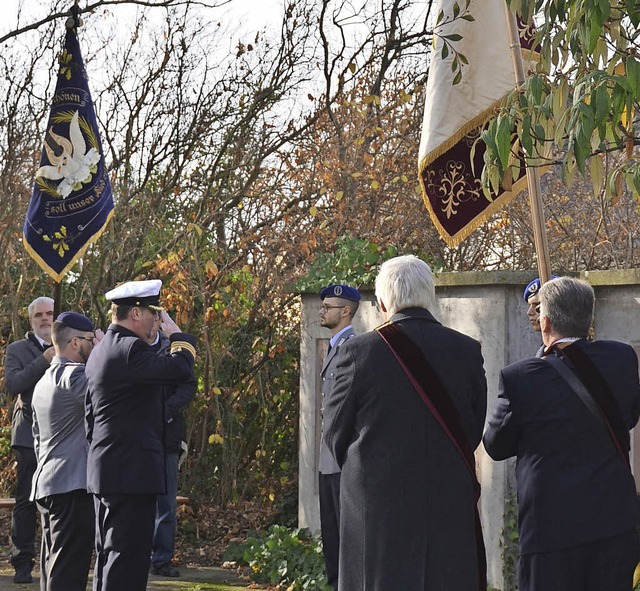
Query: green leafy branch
354	261
570	122
448	41
581	103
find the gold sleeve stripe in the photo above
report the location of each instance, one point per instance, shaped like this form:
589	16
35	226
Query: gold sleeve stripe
179	345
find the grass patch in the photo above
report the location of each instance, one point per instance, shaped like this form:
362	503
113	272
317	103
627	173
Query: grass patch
174	585
177	585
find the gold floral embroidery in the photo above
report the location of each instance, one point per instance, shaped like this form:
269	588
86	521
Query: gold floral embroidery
452	186
65	64
61	246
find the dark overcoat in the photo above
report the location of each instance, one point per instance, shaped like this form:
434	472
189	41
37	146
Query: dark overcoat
24	365
407	498
573	487
125	411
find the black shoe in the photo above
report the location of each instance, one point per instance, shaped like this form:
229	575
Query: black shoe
23	575
165	570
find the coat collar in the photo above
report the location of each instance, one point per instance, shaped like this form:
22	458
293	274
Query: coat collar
123	330
411	313
31	336
557	346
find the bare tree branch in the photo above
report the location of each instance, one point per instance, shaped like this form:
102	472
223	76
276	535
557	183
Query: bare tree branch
103	3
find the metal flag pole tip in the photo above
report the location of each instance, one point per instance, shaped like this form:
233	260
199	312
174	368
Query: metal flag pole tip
74	21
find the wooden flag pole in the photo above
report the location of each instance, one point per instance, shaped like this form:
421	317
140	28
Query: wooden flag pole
533	173
57	298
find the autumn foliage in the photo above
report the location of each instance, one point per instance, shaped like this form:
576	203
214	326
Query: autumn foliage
245	168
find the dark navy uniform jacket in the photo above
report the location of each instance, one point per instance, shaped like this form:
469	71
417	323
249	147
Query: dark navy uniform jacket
573	487
125	410
176	398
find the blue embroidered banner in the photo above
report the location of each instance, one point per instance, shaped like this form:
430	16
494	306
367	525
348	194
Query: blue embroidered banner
72	201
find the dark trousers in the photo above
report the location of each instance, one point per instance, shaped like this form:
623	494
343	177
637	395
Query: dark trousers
23	517
67	540
329	485
164	536
124	533
604	565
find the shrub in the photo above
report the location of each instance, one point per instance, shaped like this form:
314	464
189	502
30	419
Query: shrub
282	556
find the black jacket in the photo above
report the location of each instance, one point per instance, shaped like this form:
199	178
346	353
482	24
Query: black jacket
176	398
573	487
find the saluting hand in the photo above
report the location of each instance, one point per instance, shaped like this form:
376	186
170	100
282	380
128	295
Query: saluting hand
167	325
98	335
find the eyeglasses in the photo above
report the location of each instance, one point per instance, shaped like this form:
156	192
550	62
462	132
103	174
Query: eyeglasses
83	338
325	308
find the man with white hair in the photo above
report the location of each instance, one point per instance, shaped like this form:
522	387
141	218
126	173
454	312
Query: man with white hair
25	362
406	412
566	418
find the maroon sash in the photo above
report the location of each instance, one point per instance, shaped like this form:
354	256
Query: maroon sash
595	384
428	385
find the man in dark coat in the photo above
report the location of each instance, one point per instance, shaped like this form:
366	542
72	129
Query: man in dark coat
25	363
176	398
577	505
125	465
407	499
339	304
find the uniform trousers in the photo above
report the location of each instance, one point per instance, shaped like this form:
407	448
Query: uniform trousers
329	490
603	565
67	540
124	533
164	536
24	514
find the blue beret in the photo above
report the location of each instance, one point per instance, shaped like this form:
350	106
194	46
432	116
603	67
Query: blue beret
75	320
340	290
534	287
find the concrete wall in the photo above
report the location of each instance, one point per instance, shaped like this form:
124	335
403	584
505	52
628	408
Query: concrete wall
489	307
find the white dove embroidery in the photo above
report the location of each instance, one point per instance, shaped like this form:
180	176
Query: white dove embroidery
69	159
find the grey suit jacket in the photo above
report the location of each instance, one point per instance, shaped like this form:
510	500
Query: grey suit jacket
24	365
327	463
58	429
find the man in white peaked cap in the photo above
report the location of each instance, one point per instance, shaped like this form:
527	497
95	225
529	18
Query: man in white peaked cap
125	466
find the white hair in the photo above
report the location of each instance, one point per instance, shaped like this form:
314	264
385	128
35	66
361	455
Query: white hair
405	282
569	304
40	300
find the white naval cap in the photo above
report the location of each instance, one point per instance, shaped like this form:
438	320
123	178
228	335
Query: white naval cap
137	293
